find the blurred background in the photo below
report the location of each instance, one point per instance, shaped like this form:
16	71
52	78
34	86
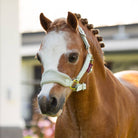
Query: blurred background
20	38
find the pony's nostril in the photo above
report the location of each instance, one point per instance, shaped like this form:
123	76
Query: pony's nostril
42	104
53	101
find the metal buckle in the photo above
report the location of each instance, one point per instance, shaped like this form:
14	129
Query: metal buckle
74	84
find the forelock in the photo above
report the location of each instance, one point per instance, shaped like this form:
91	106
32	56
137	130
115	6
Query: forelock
58	25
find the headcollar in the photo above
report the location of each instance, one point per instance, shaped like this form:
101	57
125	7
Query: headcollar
53	76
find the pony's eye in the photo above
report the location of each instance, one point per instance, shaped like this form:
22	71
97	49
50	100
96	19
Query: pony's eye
73	57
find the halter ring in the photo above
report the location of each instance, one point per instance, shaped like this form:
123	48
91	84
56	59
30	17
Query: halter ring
74	84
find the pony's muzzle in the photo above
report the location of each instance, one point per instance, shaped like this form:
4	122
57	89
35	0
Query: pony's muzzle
48	105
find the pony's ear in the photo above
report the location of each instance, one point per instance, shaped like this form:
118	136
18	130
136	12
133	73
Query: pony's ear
72	20
45	22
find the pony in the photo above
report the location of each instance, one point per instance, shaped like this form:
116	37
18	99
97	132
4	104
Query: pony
89	100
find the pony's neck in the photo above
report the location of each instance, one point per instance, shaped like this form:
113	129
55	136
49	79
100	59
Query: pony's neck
81	105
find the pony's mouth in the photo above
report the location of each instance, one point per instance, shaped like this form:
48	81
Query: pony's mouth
54	114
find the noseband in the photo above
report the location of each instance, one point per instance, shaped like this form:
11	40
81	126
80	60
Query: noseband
53	76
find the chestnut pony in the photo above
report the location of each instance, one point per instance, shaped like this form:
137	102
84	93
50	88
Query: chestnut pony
90	101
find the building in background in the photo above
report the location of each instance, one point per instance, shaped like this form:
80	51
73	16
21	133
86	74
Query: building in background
121	46
11	122
121	53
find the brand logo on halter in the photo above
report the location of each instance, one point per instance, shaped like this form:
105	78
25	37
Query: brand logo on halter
53	76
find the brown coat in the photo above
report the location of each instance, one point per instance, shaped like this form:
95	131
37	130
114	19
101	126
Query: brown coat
108	108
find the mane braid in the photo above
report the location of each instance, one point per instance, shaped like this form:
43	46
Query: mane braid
90	26
95	31
84	21
99	38
78	16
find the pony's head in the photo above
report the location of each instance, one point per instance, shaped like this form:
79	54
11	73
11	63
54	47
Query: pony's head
66	53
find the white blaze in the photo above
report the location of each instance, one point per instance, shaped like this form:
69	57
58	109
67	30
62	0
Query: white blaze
46	89
54	46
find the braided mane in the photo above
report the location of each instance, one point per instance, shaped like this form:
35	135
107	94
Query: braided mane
84	21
